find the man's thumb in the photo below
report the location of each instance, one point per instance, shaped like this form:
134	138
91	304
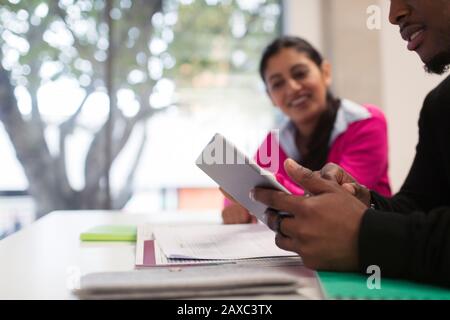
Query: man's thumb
304	177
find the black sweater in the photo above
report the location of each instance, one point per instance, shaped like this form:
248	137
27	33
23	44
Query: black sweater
408	235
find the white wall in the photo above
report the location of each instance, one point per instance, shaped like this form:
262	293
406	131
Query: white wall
353	50
303	18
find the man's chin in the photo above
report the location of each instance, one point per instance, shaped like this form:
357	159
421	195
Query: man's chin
439	64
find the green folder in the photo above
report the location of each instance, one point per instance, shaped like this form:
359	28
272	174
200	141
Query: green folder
110	233
338	285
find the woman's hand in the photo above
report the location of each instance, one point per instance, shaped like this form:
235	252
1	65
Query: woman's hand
236	214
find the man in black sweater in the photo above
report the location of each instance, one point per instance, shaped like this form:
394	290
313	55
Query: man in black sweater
342	225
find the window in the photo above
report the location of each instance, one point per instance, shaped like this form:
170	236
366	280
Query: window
178	71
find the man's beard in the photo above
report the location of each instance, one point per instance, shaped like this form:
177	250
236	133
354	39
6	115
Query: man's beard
439	64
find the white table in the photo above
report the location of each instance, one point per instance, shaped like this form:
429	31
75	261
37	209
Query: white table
46	259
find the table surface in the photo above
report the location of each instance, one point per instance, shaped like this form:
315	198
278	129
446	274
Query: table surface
46	259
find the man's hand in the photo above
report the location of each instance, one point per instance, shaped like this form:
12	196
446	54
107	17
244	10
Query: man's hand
333	172
324	228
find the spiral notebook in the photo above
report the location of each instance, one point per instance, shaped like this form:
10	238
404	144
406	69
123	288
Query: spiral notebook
337	285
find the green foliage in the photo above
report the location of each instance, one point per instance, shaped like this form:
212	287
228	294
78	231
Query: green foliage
209	37
72	34
210	45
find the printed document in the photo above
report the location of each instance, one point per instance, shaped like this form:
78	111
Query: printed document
218	242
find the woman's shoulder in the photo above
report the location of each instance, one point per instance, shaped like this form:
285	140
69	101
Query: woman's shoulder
354	112
358	121
375	112
353	118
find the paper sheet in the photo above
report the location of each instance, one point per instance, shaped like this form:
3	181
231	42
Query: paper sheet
218	242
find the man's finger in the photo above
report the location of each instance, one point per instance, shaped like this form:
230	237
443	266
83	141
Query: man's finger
272	219
361	193
277	200
351	188
333	172
284	243
286	226
311	182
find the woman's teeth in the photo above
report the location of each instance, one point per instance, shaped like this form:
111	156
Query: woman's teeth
298	101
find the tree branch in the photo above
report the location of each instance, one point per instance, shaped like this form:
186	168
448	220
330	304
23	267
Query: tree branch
94	159
65	129
31	150
127	190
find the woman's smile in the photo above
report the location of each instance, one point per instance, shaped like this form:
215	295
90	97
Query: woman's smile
300	101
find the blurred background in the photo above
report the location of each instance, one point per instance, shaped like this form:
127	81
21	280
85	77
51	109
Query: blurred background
106	104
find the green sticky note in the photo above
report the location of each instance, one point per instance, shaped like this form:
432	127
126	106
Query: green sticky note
354	286
110	233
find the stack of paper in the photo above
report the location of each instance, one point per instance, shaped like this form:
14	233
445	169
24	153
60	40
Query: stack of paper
216	260
201	281
164	245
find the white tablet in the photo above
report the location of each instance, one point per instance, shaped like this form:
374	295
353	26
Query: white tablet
236	174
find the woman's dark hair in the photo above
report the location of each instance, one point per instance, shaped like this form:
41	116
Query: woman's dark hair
318	147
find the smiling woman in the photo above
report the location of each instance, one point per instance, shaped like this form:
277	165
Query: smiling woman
320	127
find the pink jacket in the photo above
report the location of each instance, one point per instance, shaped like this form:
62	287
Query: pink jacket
358	144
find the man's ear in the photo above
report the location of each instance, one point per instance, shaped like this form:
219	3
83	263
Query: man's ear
327	72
